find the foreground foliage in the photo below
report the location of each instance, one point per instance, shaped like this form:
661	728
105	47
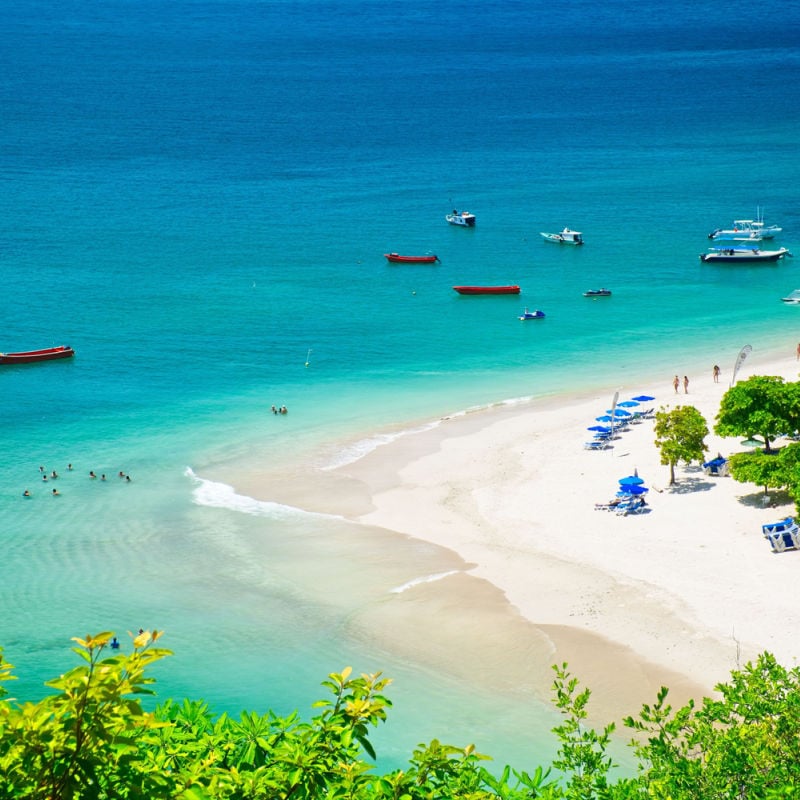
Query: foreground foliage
93	739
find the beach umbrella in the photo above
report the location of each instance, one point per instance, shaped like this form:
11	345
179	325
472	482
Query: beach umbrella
631	480
600	428
618	412
632	490
628	403
644	398
752	443
605	418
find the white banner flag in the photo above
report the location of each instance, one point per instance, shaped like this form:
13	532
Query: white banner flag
743	353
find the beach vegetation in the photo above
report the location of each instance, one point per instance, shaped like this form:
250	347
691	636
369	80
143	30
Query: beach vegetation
763	405
773	470
680	436
93	739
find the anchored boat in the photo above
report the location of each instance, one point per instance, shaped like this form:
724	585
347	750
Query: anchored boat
396	258
31	356
463	218
487	289
566	236
743	254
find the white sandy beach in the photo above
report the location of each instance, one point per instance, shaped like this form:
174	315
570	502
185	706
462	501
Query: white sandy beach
679	595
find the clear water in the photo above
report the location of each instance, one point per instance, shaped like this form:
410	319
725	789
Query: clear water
197	197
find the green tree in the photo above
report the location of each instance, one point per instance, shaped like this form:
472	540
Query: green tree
763	405
680	434
763	469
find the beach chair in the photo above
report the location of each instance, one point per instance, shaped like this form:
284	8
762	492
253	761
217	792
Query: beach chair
783	535
597	444
717	466
606	506
635	505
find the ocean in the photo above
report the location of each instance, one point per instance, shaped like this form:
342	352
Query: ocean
197	197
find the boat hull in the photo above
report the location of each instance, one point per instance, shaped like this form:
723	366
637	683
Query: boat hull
396	258
487	289
598	293
32	356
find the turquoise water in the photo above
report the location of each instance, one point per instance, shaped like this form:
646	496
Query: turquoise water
197	197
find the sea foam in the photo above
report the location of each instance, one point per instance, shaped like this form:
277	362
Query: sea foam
219	495
424	579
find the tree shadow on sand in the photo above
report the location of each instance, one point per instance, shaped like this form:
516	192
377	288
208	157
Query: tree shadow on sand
692	478
775	498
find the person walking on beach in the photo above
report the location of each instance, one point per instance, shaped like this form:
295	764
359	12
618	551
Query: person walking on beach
685	385
716	374
798	352
676	382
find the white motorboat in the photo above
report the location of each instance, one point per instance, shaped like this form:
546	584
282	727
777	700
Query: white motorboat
743	254
793	298
566	236
463	218
746	230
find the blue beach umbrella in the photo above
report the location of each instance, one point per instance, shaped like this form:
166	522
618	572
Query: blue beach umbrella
618	412
644	398
631	480
605	418
632	490
628	404
600	428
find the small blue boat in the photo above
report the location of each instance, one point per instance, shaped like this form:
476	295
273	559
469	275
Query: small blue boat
532	315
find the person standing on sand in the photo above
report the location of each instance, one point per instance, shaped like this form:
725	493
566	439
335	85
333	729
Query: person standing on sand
716	374
676	382
685	385
798	352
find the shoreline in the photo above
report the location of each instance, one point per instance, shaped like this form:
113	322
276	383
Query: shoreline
678	596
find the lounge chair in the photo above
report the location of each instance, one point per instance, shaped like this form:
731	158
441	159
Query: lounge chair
635	505
783	535
717	466
597	444
610	506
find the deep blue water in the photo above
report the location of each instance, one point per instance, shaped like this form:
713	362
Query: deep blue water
197	197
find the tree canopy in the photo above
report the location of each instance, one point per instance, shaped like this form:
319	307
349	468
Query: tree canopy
680	434
764	469
763	405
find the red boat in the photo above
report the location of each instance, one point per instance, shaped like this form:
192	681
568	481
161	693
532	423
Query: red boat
487	289
29	356
396	258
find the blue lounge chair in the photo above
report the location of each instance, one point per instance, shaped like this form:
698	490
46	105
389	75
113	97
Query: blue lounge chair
636	505
717	466
783	535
